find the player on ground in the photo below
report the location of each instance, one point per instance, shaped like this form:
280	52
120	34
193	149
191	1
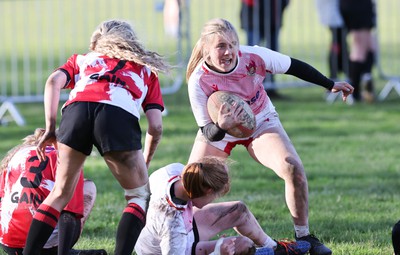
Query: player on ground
108	86
182	218
24	183
218	62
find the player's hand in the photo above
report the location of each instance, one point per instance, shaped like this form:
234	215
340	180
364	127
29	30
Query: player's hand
344	87
230	116
48	139
244	245
228	246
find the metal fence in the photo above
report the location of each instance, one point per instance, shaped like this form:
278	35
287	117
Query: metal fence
39	35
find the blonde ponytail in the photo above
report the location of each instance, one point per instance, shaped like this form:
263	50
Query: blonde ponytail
195	59
116	39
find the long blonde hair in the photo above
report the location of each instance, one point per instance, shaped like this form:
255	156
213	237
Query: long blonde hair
207	173
116	39
30	140
210	29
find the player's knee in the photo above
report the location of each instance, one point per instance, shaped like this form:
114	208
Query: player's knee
293	170
139	196
89	188
241	207
238	211
89	197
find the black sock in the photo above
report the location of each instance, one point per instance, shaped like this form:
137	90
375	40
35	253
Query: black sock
129	228
369	63
38	235
43	223
396	238
355	72
69	228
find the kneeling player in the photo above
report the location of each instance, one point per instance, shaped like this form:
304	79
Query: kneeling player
24	183
182	219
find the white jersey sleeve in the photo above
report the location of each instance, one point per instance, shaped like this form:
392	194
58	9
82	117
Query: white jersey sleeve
198	101
275	62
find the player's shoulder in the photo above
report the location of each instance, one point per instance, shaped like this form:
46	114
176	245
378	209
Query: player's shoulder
22	155
169	170
199	70
174	169
255	49
247	49
253	53
194	81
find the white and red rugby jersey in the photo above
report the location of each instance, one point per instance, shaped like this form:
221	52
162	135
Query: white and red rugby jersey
24	184
169	226
246	80
97	78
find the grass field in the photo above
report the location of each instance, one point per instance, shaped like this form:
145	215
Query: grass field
350	152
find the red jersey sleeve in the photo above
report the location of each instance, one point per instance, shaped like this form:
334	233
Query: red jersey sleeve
71	69
153	97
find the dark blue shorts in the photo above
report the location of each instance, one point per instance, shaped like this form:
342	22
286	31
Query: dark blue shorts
108	127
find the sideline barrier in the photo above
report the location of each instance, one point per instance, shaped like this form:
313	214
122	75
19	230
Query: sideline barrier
39	35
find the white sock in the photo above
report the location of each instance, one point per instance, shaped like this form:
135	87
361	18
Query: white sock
270	243
301	230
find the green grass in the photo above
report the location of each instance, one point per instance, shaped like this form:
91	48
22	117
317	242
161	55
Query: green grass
350	154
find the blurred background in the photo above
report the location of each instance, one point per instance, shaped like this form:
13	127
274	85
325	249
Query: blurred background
39	35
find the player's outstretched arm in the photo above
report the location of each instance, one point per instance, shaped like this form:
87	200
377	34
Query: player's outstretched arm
52	91
153	134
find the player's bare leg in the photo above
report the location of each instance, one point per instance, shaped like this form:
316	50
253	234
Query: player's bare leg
129	168
202	148
68	172
89	197
275	151
216	217
362	51
48	213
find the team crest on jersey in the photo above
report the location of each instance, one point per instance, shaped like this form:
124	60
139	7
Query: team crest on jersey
251	68
214	87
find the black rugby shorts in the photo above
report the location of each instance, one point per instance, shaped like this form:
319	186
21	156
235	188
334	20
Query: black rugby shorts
358	14
108	127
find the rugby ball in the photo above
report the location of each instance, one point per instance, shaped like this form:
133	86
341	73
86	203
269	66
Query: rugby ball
248	121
